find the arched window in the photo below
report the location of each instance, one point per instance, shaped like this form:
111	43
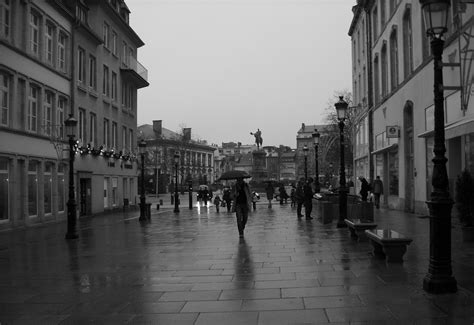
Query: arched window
407	44
384	70
394	58
376	79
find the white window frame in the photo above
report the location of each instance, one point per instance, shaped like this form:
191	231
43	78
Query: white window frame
130	140
35	173
114	86
4	99
62	40
5	18
34	33
105	81
106	133
114	42
114	135
124	138
105	35
81	125
81	65
92	129
49	43
92	72
32	109
60	109
47	175
48	112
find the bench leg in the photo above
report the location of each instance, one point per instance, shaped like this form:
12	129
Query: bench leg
395	253
378	251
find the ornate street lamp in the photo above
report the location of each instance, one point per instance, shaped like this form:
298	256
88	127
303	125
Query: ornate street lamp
316	136
71	124
439	278
341	109
176	194
305	152
142	149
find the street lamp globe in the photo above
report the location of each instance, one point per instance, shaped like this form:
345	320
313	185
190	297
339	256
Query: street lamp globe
305	150
176	157
71	124
142	146
316	136
341	108
435	13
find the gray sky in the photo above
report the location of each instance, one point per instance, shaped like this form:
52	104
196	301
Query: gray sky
227	67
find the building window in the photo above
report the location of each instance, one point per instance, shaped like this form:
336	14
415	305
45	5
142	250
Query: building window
394	59
81	125
5	18
114	86
34	33
124	54
105	81
114	135
374	23
93	129
61	189
32	109
383	15
114	191
48	42
124	138
376	80
407	44
81	14
81	65
391	8
62	39
4	98
48	188
106	195
106	133
4	189
393	172
105	35
114	43
92	72
32	189
60	109
426	48
130	140
384	71
48	113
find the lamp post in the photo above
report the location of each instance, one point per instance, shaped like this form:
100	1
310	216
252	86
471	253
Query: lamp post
190	193
305	152
176	194
316	136
142	149
71	124
341	108
439	278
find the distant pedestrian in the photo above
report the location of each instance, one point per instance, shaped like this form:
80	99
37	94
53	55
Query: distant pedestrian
227	197
377	190
308	198
299	194
217	202
283	194
270	191
255	198
242	200
364	188
293	196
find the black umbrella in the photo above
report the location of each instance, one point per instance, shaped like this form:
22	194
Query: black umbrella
234	174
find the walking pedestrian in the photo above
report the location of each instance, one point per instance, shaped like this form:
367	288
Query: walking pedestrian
364	188
283	194
377	190
217	202
242	199
308	198
255	198
293	196
270	191
299	198
227	197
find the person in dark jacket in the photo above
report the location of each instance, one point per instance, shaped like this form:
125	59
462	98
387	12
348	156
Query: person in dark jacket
270	191
299	197
377	189
308	198
242	204
364	188
227	197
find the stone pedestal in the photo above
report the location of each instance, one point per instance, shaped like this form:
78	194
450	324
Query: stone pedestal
259	172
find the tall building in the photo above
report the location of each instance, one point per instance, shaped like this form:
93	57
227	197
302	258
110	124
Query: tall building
58	58
398	86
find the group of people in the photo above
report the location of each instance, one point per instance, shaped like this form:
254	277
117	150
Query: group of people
376	188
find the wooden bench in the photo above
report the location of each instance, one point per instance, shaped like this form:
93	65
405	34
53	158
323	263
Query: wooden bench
388	244
357	227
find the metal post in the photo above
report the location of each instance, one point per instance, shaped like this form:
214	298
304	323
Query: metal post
176	194
190	191
342	181
71	203
305	168
142	194
316	172
439	278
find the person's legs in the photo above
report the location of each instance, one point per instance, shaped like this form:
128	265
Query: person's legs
254	206
377	200
299	206
239	213
269	203
245	216
308	207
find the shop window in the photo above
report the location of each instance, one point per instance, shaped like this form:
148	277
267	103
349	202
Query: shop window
114	191
48	188
61	189
32	189
4	189
393	172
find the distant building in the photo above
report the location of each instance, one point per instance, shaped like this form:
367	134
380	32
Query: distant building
196	161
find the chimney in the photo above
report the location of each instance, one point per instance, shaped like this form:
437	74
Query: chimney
302	126
186	134
158	127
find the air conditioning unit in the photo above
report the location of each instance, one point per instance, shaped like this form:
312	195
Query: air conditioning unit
393	131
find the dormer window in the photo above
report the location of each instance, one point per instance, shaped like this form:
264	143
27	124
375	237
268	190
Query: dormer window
81	14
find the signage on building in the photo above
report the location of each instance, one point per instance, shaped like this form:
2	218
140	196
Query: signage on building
393	131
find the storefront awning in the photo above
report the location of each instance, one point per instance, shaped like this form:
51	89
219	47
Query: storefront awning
453	130
389	148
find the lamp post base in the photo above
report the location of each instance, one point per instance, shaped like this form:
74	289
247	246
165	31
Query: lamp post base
439	284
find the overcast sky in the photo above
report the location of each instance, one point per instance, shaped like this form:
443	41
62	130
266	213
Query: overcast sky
227	67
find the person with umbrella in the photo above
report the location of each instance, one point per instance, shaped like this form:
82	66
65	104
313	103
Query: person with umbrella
242	204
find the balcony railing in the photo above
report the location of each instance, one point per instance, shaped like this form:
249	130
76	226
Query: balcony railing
136	66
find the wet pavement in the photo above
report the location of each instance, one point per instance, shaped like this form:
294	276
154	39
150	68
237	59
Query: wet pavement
192	268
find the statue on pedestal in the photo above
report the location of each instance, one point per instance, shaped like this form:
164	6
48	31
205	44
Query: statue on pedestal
258	138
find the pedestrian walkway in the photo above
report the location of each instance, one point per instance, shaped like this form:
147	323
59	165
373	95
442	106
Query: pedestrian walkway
192	268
